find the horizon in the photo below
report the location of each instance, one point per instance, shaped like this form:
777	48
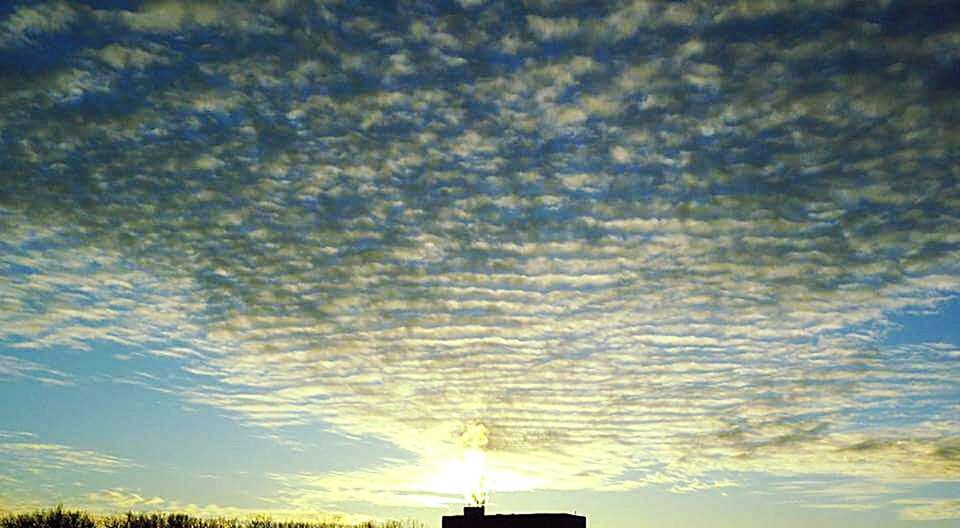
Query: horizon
660	262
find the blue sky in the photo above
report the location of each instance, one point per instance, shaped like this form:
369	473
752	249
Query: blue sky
658	262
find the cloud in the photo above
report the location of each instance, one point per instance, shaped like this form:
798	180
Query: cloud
124	57
35	469
13	367
929	509
33	472
114	500
28	23
553	28
118	499
173	15
668	264
765	8
31	456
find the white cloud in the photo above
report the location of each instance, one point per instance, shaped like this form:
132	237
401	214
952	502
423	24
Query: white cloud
26	23
641	269
13	367
22	454
166	16
118	499
553	28
119	56
760	8
929	509
470	3
74	84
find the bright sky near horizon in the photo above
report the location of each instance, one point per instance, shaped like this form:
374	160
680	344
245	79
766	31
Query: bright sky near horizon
666	263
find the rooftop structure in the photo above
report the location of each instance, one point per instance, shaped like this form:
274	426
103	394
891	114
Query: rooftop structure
474	517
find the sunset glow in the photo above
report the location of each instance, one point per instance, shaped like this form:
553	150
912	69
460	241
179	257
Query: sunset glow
665	263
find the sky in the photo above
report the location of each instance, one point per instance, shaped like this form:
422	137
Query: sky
662	263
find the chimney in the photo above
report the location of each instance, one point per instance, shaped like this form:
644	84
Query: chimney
473	511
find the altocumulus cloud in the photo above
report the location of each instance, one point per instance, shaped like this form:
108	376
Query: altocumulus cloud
26	461
643	244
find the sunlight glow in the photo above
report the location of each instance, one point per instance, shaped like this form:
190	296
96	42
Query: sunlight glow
474	467
476	474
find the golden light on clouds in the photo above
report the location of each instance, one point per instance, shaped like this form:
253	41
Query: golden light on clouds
446	252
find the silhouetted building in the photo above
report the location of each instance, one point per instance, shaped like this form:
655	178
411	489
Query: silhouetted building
473	517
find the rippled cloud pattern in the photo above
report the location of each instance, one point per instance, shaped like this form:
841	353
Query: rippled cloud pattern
641	243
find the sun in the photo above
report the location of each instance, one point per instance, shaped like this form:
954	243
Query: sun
470	468
467	475
475	477
476	474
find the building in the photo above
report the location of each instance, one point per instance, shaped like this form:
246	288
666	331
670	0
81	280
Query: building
474	517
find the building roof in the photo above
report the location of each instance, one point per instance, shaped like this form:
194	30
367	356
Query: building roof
521	520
